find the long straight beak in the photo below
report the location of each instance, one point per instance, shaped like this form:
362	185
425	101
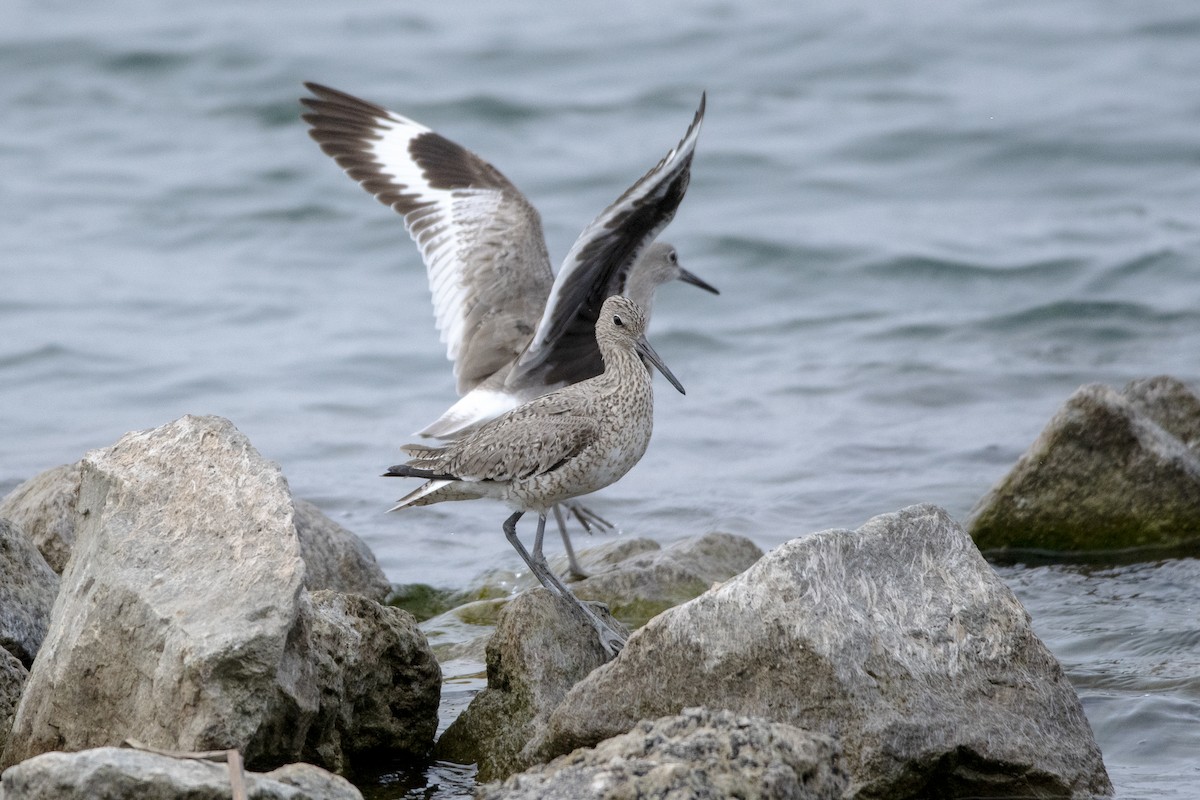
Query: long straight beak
647	352
690	277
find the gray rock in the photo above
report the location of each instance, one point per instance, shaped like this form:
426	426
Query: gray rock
539	651
646	583
380	682
111	773
1107	473
1170	403
699	754
313	782
27	590
898	638
44	507
334	558
12	681
175	617
183	622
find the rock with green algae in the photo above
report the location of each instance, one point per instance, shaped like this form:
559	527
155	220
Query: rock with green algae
647	582
1111	471
635	578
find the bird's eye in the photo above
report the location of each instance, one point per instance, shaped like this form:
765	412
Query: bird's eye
620	323
673	257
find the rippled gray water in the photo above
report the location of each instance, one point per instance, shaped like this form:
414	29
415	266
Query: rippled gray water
930	224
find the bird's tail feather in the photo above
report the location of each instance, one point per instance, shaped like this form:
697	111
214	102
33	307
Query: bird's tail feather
415	497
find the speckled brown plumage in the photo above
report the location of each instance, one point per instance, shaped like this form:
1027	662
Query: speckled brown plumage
561	445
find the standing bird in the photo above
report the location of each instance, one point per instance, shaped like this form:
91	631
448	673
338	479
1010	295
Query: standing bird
513	330
560	445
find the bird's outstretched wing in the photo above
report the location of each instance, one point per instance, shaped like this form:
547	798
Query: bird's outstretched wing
596	266
481	240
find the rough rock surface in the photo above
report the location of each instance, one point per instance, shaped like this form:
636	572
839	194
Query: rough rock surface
635	578
12	680
44	507
334	558
898	638
539	650
27	590
1171	404
698	754
111	772
644	584
1110	471
182	621
380	683
173	622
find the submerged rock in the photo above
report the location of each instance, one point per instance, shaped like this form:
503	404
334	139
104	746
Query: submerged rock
111	772
44	507
183	622
540	650
698	754
27	590
1110	471
898	638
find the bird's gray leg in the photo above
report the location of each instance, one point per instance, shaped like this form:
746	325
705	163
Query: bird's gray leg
540	572
577	571
588	518
611	639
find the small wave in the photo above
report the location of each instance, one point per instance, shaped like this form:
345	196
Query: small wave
49	352
944	269
1094	314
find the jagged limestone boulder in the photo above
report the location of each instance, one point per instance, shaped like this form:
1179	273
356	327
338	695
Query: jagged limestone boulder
183	622
335	558
898	638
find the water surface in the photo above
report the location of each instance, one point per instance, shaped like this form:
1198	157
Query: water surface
929	226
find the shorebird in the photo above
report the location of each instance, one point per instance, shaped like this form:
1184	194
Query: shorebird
560	445
513	329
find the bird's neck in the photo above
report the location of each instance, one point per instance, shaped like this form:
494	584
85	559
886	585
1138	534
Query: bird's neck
618	359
